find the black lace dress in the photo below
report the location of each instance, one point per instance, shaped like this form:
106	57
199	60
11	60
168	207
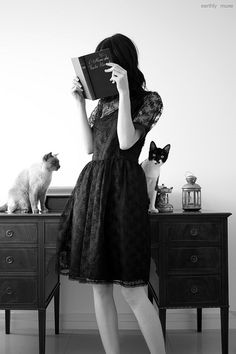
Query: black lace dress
104	236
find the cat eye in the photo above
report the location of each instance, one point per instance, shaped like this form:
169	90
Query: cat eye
162	157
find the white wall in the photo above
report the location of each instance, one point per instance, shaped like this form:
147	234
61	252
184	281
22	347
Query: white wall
187	54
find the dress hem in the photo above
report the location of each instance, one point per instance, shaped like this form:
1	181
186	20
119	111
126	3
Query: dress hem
133	283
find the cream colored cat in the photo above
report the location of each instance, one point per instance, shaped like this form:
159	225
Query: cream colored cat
30	187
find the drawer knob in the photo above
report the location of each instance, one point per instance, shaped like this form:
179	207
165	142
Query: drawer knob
194	289
9	291
9	259
194	231
194	258
9	233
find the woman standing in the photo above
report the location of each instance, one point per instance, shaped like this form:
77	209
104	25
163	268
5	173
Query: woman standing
104	238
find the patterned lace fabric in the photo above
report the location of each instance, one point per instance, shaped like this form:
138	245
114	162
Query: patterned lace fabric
147	116
150	112
109	108
105	232
127	284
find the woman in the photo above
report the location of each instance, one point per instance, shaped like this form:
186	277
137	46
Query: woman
104	237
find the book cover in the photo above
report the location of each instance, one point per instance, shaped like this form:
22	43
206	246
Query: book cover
90	70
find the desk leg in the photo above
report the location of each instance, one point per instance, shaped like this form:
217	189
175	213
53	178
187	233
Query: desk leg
7	321
224	315
162	316
42	328
56	309
199	319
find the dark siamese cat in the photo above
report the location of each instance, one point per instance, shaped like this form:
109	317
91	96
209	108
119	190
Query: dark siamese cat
30	187
151	167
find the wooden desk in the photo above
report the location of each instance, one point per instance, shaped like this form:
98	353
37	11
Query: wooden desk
189	252
190	264
28	280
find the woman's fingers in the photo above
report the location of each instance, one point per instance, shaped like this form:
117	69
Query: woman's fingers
110	69
115	71
114	67
77	89
77	79
77	83
77	86
109	63
118	75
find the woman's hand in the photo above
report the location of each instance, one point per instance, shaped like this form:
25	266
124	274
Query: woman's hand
119	76
77	91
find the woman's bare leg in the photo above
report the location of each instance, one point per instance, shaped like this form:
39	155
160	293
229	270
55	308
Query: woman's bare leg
106	315
147	317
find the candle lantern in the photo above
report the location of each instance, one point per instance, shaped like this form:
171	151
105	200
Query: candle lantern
162	201
191	194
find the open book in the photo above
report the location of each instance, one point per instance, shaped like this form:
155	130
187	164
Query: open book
90	70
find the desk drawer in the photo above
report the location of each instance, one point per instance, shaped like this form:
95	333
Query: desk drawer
51	232
194	259
18	259
186	290
210	232
18	290
18	233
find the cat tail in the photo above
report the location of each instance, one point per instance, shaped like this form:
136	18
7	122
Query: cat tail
3	207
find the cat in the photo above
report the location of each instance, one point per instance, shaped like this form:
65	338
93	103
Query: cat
30	187
151	168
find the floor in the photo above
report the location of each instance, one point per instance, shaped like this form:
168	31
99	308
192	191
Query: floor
132	342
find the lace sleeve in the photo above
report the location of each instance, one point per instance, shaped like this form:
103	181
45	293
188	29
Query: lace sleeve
96	113
150	112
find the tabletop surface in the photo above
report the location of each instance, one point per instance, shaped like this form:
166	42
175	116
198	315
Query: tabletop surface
179	212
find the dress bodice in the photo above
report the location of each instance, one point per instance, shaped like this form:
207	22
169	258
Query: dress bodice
103	120
106	143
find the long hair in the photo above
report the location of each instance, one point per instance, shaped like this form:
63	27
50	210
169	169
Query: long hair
125	54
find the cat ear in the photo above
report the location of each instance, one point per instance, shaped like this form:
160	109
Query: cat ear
167	148
55	155
152	145
46	157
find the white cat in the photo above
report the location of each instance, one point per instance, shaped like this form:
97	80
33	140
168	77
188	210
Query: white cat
30	187
151	167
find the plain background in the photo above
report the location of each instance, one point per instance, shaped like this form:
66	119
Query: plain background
186	52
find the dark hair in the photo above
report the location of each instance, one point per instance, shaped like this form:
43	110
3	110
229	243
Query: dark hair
125	54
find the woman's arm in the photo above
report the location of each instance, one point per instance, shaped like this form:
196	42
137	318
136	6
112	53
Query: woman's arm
85	129
127	134
77	92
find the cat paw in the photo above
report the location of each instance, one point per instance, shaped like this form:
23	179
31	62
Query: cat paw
44	211
24	211
153	211
35	211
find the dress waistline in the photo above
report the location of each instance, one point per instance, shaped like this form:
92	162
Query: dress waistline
116	158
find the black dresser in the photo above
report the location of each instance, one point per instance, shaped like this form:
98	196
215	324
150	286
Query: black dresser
189	267
28	280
